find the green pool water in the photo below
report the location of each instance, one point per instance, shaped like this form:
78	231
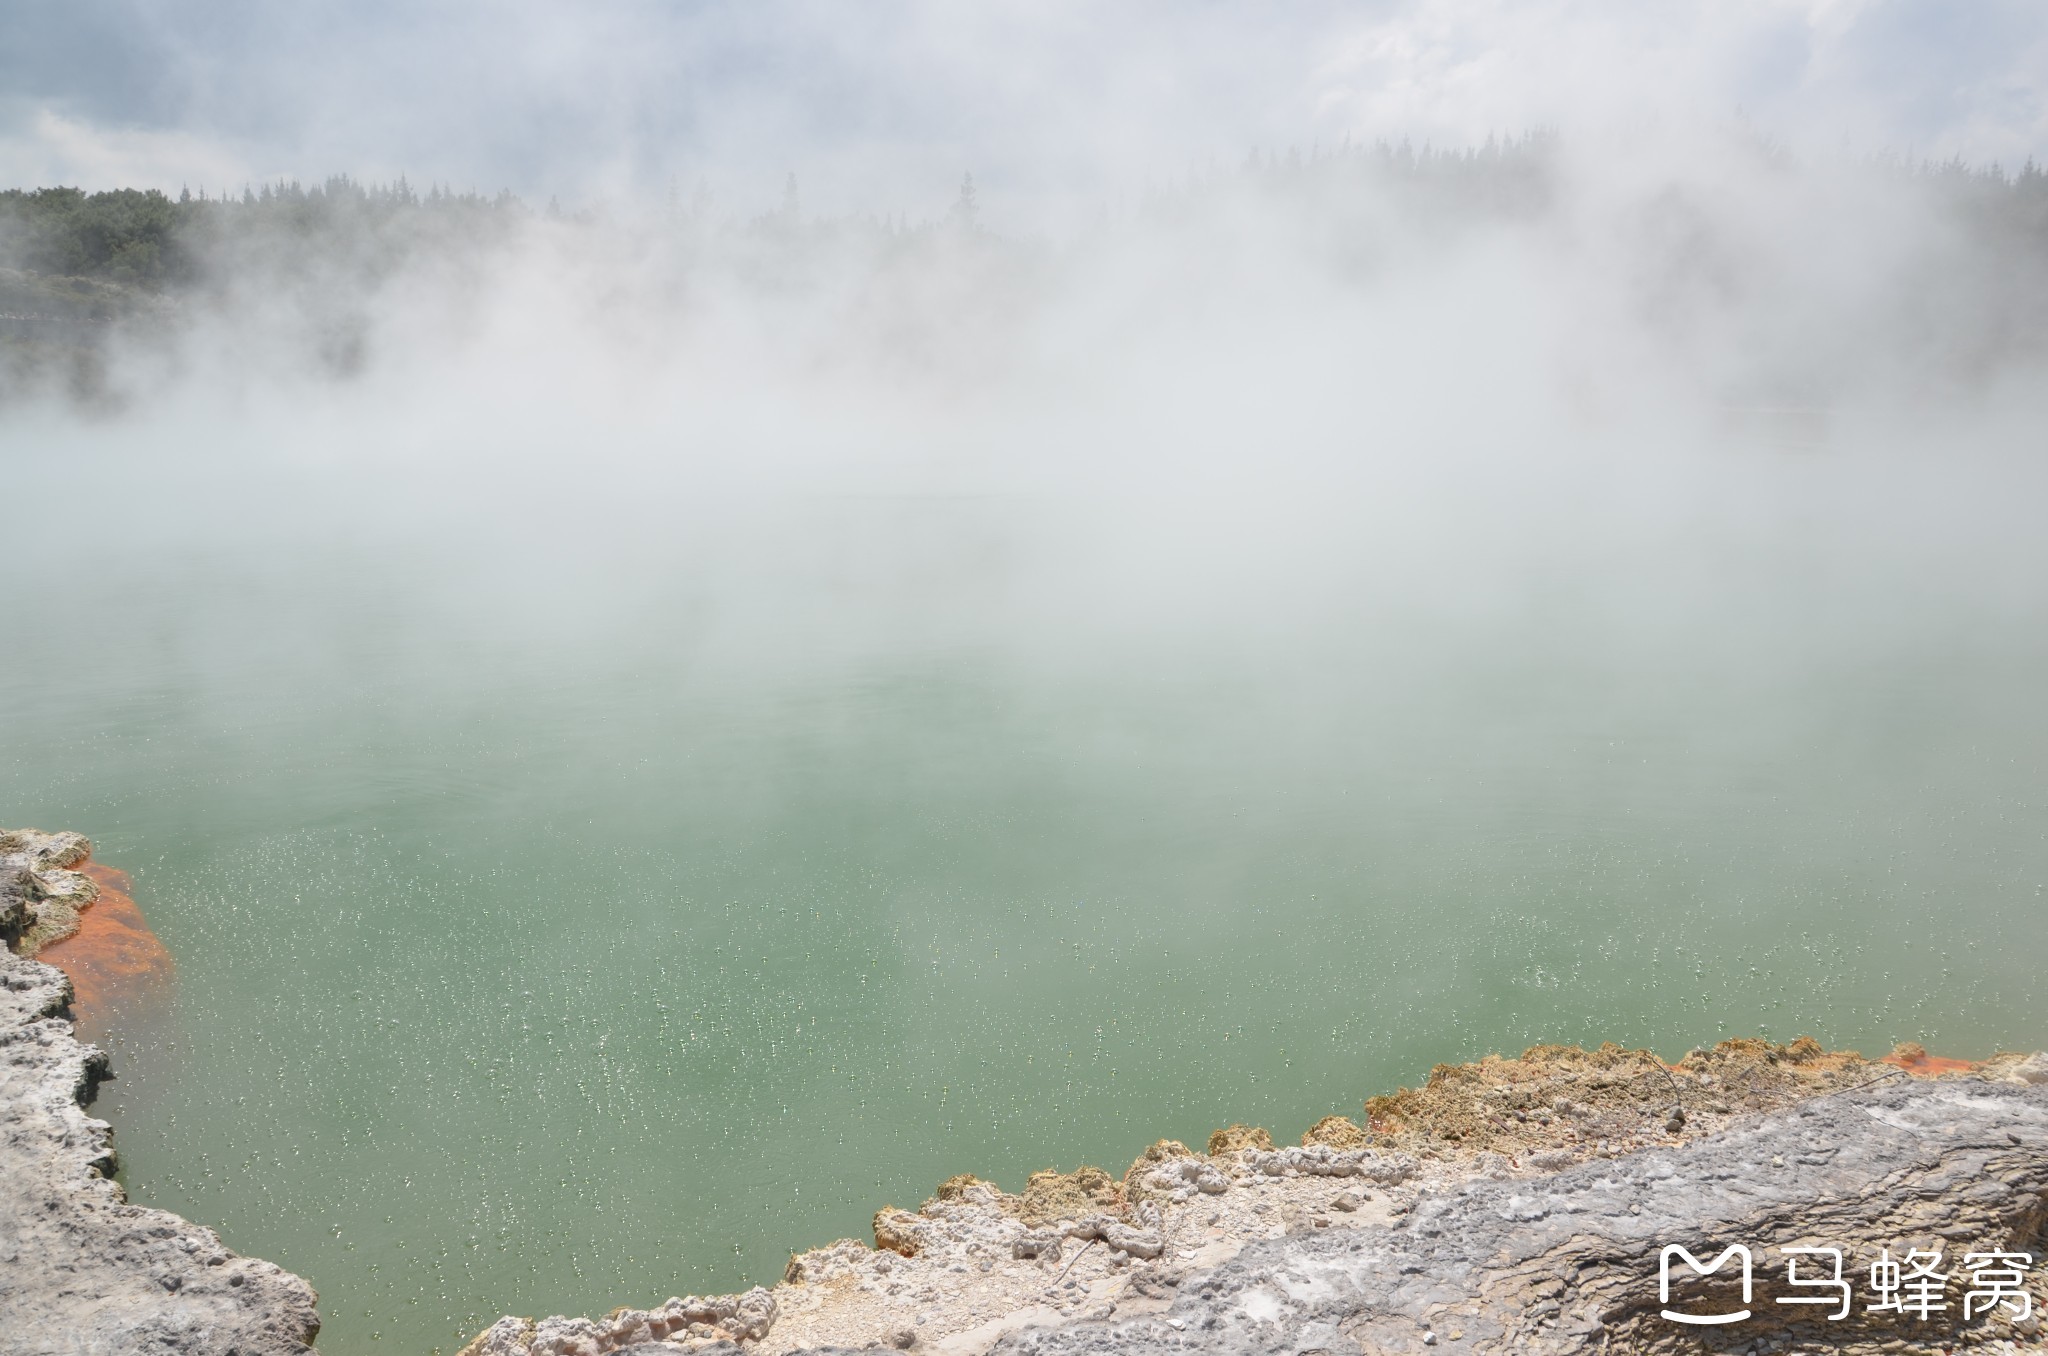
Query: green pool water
590	882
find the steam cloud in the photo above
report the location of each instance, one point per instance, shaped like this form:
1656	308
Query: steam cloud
1485	522
1582	205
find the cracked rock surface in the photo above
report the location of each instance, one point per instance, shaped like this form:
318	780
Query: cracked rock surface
83	1272
1570	1262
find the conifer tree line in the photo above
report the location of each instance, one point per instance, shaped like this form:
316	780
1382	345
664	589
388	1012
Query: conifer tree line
147	239
1809	276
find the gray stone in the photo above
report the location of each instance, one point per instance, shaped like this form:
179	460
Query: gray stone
1040	1246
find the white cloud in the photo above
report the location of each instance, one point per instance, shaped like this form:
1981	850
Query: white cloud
880	107
53	149
1910	77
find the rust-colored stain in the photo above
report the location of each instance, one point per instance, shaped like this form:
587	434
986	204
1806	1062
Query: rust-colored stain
113	957
1915	1060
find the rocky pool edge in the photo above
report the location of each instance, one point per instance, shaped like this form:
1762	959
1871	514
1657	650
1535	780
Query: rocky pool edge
1507	1205
83	1272
1504	1205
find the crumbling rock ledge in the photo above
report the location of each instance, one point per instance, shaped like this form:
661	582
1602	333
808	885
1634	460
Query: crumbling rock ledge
41	897
1507	1205
718	1321
82	1272
1570	1263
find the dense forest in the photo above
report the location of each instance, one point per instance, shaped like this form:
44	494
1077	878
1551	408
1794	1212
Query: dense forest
146	239
1763	257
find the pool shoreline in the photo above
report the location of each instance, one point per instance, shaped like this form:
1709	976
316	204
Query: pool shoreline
1081	1257
1085	1261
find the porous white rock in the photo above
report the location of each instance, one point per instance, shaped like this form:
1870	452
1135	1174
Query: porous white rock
1183	1178
1121	1237
1038	1245
40	895
1320	1160
682	1321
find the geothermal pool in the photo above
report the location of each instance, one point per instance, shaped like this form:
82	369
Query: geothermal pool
588	884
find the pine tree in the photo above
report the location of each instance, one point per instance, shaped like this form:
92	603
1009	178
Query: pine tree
966	211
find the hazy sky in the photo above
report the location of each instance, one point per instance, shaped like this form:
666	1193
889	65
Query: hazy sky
882	105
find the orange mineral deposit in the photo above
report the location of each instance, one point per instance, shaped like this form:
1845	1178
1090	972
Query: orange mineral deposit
1914	1059
114	960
